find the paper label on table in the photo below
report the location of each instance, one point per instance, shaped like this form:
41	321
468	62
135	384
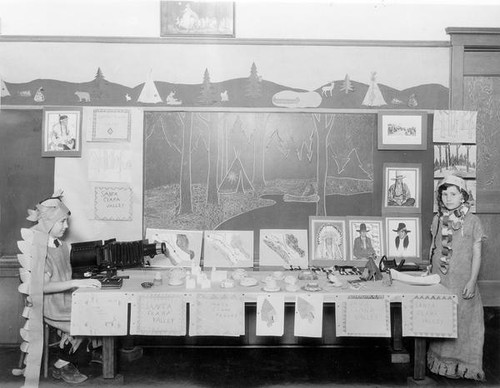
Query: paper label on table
363	316
158	314
430	316
270	314
308	315
99	313
217	314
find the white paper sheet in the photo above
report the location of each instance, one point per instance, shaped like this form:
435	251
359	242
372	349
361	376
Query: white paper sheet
430	316
158	314
109	165
309	315
217	314
363	315
99	313
270	314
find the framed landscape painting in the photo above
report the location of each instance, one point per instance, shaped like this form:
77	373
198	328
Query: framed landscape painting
197	18
400	130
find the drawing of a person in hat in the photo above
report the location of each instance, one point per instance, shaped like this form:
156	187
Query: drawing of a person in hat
399	193
402	240
363	247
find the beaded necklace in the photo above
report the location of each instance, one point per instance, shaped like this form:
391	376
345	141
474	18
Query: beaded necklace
452	220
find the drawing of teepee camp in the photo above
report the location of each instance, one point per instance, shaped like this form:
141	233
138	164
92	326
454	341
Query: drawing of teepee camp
149	93
4	91
236	179
374	96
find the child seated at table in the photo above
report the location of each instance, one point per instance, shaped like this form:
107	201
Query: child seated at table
54	278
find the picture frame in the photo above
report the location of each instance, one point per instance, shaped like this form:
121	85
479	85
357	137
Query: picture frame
62	132
111	125
197	19
283	248
327	241
374	246
402	188
402	130
228	249
183	247
403	237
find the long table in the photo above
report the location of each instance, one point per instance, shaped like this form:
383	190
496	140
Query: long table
132	288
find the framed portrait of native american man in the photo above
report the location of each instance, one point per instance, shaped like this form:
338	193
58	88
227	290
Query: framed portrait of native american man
402	188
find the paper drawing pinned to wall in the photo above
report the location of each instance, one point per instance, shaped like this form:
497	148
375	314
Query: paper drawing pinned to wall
347	85
224	97
82	96
4	92
283	247
228	249
39	96
149	93
292	99
328	89
171	100
374	96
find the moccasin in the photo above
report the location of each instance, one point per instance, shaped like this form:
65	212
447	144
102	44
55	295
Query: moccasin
69	373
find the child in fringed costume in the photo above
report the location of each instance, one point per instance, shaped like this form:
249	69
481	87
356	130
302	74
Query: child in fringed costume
456	257
47	282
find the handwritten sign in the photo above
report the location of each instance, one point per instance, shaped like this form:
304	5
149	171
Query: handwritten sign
158	314
430	316
363	315
111	125
217	314
270	314
99	313
308	315
113	202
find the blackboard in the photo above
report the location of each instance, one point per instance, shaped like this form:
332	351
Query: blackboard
25	177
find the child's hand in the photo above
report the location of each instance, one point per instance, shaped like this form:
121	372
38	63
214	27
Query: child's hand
87	283
469	290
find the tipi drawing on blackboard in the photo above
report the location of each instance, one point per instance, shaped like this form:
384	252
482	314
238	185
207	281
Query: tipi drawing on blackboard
149	93
236	179
374	96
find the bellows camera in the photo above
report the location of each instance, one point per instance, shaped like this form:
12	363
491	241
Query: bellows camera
96	256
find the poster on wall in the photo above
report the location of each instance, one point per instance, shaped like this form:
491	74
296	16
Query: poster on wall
112	201
111	125
61	132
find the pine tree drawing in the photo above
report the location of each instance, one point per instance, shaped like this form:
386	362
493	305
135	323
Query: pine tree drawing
253	87
347	86
374	96
207	95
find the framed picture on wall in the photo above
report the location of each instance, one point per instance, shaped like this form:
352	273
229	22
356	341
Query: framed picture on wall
62	132
403	237
402	188
327	241
197	18
400	130
366	237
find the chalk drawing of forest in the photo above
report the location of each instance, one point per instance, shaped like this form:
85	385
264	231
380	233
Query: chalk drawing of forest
255	170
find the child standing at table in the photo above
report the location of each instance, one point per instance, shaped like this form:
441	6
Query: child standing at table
51	286
456	257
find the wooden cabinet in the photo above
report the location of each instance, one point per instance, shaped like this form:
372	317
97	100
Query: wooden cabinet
475	85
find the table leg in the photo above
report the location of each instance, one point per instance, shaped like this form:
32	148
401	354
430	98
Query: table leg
419	361
108	357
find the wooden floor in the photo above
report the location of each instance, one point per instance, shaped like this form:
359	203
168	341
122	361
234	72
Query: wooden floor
277	367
